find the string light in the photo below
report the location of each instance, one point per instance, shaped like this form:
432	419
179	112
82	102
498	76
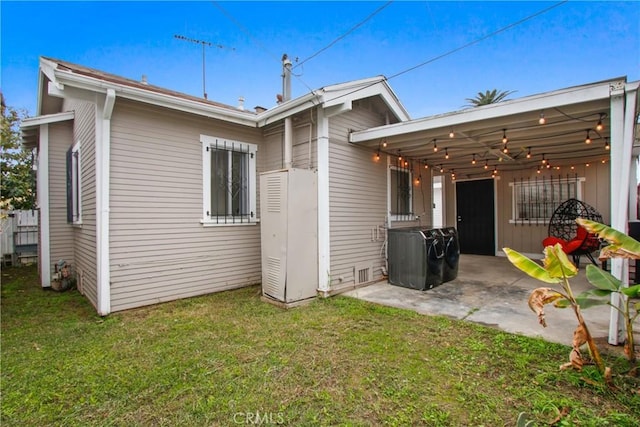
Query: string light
451	134
542	119
399	156
606	144
486	164
587	165
538	169
600	126
588	139
418	179
504	136
446	153
572	167
435	146
441	169
604	161
529	153
505	150
544	161
473	160
426	166
384	144
406	163
378	155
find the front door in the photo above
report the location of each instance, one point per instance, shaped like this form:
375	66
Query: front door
475	216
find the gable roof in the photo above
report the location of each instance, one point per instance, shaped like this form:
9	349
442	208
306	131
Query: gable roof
62	74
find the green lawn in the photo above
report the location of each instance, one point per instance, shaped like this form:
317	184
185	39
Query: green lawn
231	359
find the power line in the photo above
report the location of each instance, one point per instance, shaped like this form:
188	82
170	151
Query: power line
492	34
476	41
352	29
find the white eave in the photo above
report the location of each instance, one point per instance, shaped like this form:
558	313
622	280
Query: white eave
540	102
29	127
337	98
61	78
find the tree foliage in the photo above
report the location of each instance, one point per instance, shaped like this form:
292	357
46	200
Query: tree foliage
18	180
488	97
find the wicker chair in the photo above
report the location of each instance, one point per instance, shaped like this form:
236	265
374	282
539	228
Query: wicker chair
575	240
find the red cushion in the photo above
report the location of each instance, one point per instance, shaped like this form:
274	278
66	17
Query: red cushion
581	234
551	241
571	246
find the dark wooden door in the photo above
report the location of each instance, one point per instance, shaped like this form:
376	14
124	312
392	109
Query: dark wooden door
475	217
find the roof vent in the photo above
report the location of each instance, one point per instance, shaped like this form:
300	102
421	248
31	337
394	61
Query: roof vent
144	80
241	103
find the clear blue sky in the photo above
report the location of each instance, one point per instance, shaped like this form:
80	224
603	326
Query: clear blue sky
572	44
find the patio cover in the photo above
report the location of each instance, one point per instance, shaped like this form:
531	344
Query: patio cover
570	115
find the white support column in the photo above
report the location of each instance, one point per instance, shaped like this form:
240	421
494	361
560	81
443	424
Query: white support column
42	183
622	117
324	242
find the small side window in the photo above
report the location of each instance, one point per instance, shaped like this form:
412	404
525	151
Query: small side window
74	185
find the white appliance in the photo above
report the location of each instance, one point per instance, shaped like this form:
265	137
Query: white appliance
289	234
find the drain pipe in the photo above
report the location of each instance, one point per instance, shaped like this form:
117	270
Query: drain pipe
288	125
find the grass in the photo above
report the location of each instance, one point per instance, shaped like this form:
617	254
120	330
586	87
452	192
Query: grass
229	359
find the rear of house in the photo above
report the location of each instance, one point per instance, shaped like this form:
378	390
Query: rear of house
153	195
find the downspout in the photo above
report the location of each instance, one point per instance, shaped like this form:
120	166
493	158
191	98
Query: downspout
324	241
288	126
103	150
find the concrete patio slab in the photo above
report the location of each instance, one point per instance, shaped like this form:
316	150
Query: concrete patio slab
491	291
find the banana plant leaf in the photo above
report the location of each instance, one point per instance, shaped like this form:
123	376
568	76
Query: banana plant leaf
602	279
631	291
529	266
620	244
557	264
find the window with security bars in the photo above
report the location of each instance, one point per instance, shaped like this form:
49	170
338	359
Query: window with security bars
74	186
229	181
535	200
400	194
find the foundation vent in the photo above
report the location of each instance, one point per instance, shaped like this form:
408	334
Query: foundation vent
362	273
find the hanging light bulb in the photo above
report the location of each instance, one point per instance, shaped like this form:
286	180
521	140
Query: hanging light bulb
453	174
473	159
441	169
378	155
426	166
538	171
418	179
384	143
573	167
604	161
435	146
600	126
446	153
486	164
544	161
406	163
451	134
588	139
587	165
399	156
529	153
606	144
505	150
504	136
542	120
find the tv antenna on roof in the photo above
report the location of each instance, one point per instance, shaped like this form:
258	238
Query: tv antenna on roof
204	44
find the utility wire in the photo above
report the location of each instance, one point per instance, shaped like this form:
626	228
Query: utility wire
471	43
476	41
352	29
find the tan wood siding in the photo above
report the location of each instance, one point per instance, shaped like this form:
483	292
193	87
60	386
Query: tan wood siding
525	237
60	233
159	250
357	199
85	236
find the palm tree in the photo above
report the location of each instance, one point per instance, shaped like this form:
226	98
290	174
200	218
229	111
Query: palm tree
488	97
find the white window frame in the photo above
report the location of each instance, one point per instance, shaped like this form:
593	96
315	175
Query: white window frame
209	143
518	187
395	216
76	184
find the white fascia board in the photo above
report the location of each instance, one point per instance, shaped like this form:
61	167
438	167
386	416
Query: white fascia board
374	87
538	102
33	122
289	108
159	99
